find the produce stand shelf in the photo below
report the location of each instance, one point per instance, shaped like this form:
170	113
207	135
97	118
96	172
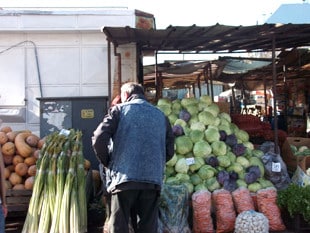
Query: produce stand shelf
18	201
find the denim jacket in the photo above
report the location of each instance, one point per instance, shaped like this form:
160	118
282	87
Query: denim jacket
142	143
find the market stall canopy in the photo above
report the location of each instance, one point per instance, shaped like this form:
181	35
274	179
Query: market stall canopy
176	74
247	72
213	39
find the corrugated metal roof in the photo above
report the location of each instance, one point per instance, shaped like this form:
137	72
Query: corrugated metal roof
213	39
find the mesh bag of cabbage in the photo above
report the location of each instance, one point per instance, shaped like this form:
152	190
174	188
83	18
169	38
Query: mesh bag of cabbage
251	221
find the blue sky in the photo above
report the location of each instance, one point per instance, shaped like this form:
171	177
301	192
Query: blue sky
177	12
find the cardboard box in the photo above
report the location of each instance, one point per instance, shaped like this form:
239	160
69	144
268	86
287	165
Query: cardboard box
291	160
224	106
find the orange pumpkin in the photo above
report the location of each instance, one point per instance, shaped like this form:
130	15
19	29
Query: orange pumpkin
21	169
15	179
8	148
3	138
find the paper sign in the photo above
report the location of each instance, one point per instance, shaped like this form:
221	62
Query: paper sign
190	161
276	167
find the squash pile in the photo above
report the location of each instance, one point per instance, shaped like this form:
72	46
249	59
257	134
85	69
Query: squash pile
20	150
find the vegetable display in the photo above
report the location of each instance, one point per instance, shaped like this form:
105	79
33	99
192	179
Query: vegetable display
213	156
19	156
58	202
208	143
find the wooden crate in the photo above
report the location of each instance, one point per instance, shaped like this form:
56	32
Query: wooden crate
18	200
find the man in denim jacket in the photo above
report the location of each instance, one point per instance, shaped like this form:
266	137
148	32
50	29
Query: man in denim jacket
142	143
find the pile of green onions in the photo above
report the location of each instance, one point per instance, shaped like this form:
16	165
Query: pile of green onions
58	202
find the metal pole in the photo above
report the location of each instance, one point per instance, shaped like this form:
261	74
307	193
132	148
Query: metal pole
274	78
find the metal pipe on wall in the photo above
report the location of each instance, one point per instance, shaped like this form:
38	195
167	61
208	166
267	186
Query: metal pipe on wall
109	72
119	69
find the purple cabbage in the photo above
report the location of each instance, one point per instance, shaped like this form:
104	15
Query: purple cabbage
231	140
222	176
212	161
250	177
184	115
238	149
177	130
223	135
230	185
255	169
233	175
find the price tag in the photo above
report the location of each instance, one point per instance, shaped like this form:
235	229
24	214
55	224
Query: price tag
276	167
190	161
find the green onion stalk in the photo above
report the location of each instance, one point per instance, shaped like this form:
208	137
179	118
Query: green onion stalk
81	177
64	223
32	218
45	214
74	208
62	167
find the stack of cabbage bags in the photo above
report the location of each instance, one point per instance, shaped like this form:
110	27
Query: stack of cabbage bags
211	152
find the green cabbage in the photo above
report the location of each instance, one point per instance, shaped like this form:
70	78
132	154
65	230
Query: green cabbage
213	108
199	161
183	144
243	161
198	126
265	183
196	135
202	149
172	161
180	122
169	171
257	153
249	145
172	118
241	183
254	187
189	186
216	122
206	99
212	184
192	109
206	171
232	157
200	186
181	166
225	128
219	148
189	102
212	134
225	116
194	119
172	180
176	107
206	117
236	167
182	177
164	101
166	109
195	179
242	135
224	161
